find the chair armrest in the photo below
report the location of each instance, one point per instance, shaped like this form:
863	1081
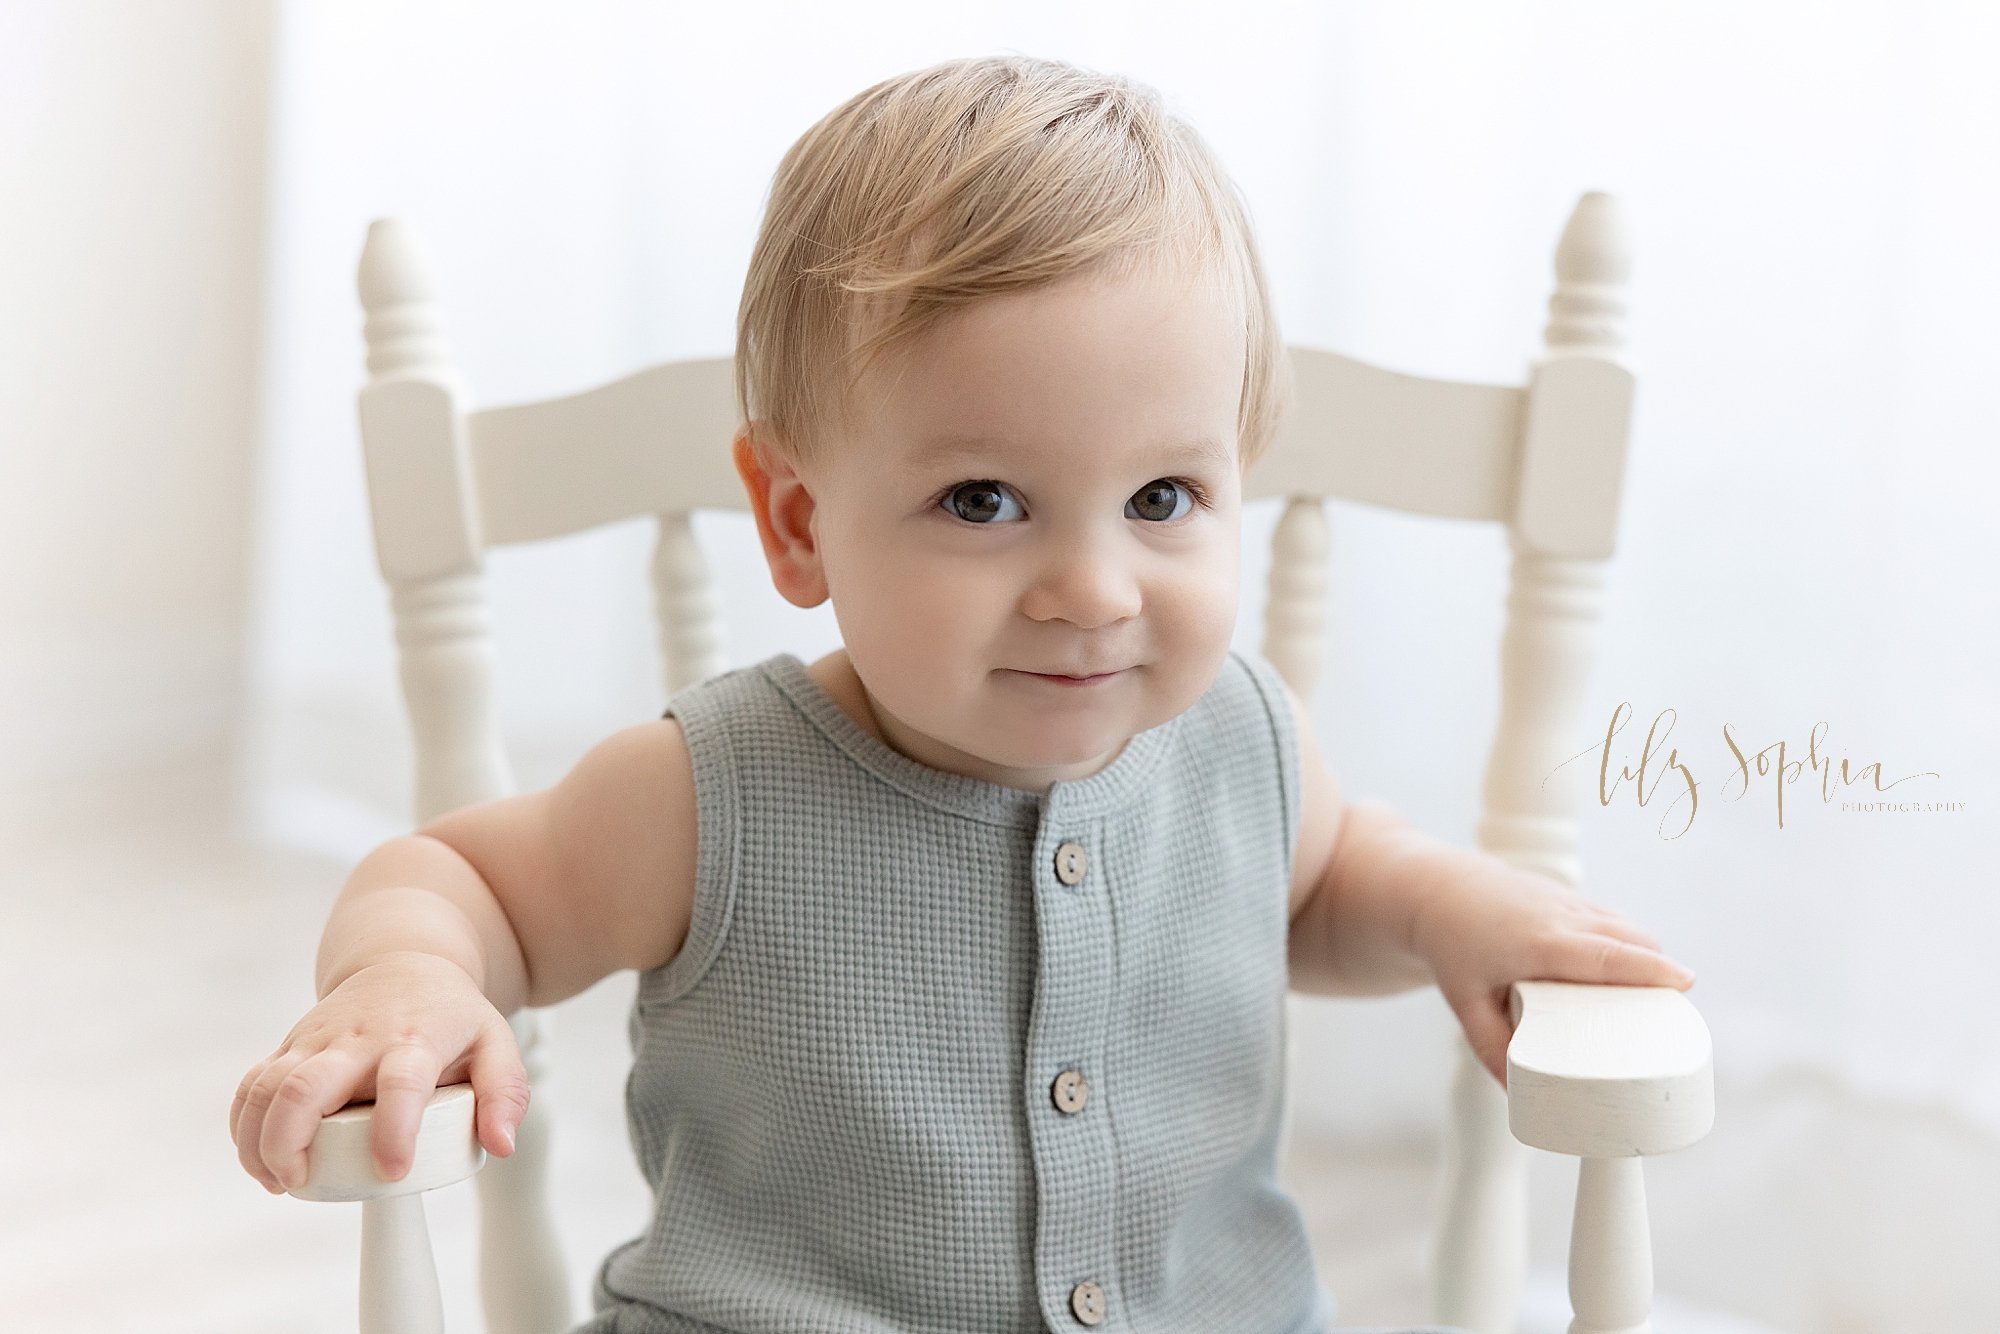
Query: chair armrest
339	1165
1608	1071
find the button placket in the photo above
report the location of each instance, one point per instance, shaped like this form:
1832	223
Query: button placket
1071	1090
1075	1253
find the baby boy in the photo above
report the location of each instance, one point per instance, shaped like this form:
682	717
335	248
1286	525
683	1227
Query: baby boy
962	950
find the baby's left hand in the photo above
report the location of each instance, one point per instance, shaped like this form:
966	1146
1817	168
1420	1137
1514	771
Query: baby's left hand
1484	930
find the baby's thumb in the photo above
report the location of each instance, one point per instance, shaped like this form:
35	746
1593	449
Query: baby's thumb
1488	1028
499	1088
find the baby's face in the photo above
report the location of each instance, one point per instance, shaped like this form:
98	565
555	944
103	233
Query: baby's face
1051	486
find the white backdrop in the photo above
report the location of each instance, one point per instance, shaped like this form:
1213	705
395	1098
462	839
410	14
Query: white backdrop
1805	541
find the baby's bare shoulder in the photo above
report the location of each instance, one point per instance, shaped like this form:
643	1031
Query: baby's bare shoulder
596	873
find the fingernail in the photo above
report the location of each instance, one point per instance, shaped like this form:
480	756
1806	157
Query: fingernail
507	1133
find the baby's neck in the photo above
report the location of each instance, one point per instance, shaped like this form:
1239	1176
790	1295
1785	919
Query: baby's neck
836	676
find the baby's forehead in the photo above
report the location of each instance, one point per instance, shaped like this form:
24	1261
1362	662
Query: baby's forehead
1054	454
1071	370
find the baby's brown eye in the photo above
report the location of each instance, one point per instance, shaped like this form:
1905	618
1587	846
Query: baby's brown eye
978	502
1159	500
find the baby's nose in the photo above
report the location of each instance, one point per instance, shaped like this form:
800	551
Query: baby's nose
1085	588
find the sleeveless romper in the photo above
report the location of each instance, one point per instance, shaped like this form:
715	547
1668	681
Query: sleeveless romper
944	1055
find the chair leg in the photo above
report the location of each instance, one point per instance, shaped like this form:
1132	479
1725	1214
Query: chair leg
523	1280
1610	1249
1480	1255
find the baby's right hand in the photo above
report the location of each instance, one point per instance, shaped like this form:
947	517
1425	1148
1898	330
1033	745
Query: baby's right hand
395	1031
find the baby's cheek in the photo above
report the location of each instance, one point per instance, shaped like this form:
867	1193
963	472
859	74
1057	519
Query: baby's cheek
1207	602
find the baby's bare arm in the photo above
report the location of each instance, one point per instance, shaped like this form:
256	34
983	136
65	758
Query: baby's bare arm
1380	907
417	893
412	942
1398	908
437	935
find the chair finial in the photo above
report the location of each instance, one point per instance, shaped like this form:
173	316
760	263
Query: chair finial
405	335
1593	260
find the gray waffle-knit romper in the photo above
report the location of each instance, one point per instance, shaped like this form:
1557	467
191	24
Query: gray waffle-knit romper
905	1075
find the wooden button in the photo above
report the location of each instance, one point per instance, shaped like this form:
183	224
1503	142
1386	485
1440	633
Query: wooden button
1070	1092
1086	1302
1071	862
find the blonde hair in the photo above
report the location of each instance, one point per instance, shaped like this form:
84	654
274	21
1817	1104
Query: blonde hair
970	178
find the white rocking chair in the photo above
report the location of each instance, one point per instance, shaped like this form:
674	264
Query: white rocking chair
1607	1074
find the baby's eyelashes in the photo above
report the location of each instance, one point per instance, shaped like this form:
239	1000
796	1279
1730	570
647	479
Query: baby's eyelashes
1162	500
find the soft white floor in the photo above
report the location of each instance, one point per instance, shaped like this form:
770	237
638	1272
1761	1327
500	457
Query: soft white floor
146	962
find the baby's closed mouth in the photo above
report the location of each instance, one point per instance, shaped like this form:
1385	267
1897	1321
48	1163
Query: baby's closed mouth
1066	679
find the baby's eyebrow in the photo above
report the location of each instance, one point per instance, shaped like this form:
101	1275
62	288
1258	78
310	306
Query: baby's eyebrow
952	446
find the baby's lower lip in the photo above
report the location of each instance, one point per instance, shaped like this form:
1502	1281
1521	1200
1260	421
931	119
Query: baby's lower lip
1071	680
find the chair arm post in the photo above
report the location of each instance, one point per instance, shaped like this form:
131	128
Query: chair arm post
399	1288
1610	1249
1608	1075
399	1284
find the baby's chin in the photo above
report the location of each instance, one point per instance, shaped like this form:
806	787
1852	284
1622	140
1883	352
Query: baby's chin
1053	748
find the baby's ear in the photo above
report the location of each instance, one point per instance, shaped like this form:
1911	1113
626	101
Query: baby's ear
783	509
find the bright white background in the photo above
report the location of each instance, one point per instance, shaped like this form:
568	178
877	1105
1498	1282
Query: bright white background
185	570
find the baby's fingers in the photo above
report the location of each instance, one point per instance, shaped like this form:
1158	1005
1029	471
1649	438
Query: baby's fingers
294	1095
404	1083
1594	957
252	1105
317	1086
1488	1029
243	1090
1608	923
